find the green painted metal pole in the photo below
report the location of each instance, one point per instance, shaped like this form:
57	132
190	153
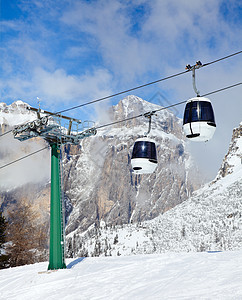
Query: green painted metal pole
56	254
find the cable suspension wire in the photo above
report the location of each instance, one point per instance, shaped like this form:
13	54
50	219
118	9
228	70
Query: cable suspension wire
113	95
223	58
222	89
5	133
138	87
147	84
21	158
123	92
167	107
130	118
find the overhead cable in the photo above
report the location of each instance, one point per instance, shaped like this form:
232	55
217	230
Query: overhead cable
223	58
123	92
5	133
167	107
32	153
130	118
147	84
138	87
222	89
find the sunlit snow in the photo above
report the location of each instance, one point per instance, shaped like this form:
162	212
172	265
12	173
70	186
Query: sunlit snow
165	276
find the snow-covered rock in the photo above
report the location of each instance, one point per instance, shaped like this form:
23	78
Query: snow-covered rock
210	220
233	159
99	179
14	114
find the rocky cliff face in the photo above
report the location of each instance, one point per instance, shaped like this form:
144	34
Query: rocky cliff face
101	189
233	158
99	180
210	220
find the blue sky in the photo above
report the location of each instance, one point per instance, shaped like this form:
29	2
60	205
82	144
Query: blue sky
68	52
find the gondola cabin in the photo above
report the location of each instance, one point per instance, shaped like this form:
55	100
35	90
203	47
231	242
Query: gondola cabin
144	156
199	122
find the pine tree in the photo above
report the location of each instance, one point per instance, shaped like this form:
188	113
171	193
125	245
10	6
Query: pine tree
3	225
97	248
115	241
25	238
4	261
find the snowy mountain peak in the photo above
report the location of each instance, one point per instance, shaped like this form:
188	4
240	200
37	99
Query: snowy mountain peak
15	107
19	103
132	100
163	124
15	113
133	105
115	193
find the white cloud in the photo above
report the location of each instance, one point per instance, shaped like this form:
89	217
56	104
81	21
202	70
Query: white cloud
170	32
108	23
70	52
36	168
61	87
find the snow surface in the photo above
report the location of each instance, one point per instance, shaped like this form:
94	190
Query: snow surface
165	276
210	220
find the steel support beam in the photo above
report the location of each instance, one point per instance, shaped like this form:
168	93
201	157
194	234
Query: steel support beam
56	249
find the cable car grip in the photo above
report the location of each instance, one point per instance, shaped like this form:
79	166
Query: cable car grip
149	115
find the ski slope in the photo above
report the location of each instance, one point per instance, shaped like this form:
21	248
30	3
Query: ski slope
165	276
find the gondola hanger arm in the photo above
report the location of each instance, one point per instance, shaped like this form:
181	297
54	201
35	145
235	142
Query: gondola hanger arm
193	69
149	115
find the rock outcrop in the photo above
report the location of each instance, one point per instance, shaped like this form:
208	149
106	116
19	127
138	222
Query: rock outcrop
99	180
233	158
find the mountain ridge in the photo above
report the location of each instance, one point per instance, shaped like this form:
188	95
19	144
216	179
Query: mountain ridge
98	181
210	220
117	195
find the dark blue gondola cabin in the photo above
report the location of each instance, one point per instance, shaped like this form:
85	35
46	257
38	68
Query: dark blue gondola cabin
144	156
198	121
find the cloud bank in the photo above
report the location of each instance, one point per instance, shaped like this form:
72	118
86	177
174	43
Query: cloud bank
67	52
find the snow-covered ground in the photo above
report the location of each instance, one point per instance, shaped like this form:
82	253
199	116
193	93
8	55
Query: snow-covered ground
210	220
164	276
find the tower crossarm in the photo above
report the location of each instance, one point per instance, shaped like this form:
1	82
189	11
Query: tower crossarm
50	128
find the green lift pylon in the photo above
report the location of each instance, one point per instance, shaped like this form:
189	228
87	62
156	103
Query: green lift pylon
56	249
55	134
